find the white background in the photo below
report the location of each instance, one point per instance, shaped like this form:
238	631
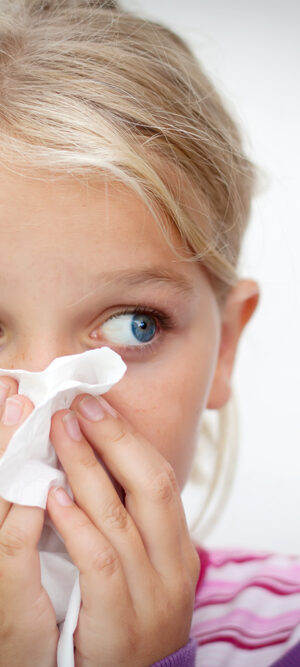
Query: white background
252	53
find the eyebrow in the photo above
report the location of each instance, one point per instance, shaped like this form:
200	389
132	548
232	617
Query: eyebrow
151	276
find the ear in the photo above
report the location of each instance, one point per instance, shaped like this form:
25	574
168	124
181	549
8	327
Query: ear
237	311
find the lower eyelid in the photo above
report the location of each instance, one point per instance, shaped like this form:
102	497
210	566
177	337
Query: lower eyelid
138	350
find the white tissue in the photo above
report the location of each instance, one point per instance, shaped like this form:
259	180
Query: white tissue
29	467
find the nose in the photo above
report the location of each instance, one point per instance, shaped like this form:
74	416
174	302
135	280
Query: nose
36	356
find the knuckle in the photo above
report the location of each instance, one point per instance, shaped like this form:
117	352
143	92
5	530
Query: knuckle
120	436
163	484
116	516
82	523
106	561
87	458
12	541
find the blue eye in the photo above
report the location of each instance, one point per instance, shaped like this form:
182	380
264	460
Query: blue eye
143	328
130	329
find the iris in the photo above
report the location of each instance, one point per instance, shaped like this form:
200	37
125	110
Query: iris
143	327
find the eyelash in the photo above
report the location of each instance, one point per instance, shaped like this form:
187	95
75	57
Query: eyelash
165	322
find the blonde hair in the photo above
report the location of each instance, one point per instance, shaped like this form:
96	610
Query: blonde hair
89	88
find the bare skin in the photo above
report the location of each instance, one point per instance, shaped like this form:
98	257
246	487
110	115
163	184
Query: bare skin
56	238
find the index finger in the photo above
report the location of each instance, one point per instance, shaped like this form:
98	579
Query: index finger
152	493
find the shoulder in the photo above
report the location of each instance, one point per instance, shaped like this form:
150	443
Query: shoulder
247	607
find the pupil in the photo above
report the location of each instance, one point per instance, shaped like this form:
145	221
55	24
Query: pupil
143	327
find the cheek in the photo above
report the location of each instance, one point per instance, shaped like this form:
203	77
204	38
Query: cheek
164	401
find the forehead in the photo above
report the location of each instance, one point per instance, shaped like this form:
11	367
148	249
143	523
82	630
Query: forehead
73	232
86	214
69	237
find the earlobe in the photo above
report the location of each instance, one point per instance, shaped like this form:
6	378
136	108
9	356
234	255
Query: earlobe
239	308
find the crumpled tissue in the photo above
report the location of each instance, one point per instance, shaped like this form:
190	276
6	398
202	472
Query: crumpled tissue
29	468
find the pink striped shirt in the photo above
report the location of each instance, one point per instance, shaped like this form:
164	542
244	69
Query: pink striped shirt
247	608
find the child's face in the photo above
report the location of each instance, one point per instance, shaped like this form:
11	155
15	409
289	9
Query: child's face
65	253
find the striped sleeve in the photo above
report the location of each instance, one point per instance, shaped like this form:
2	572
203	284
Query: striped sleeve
247	608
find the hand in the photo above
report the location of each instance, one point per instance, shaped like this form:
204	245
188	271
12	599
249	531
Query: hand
28	629
138	566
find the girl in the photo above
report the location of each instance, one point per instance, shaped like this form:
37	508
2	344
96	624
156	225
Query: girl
125	197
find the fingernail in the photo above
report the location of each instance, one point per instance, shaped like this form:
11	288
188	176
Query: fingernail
13	411
90	408
107	407
4	389
61	496
71	426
